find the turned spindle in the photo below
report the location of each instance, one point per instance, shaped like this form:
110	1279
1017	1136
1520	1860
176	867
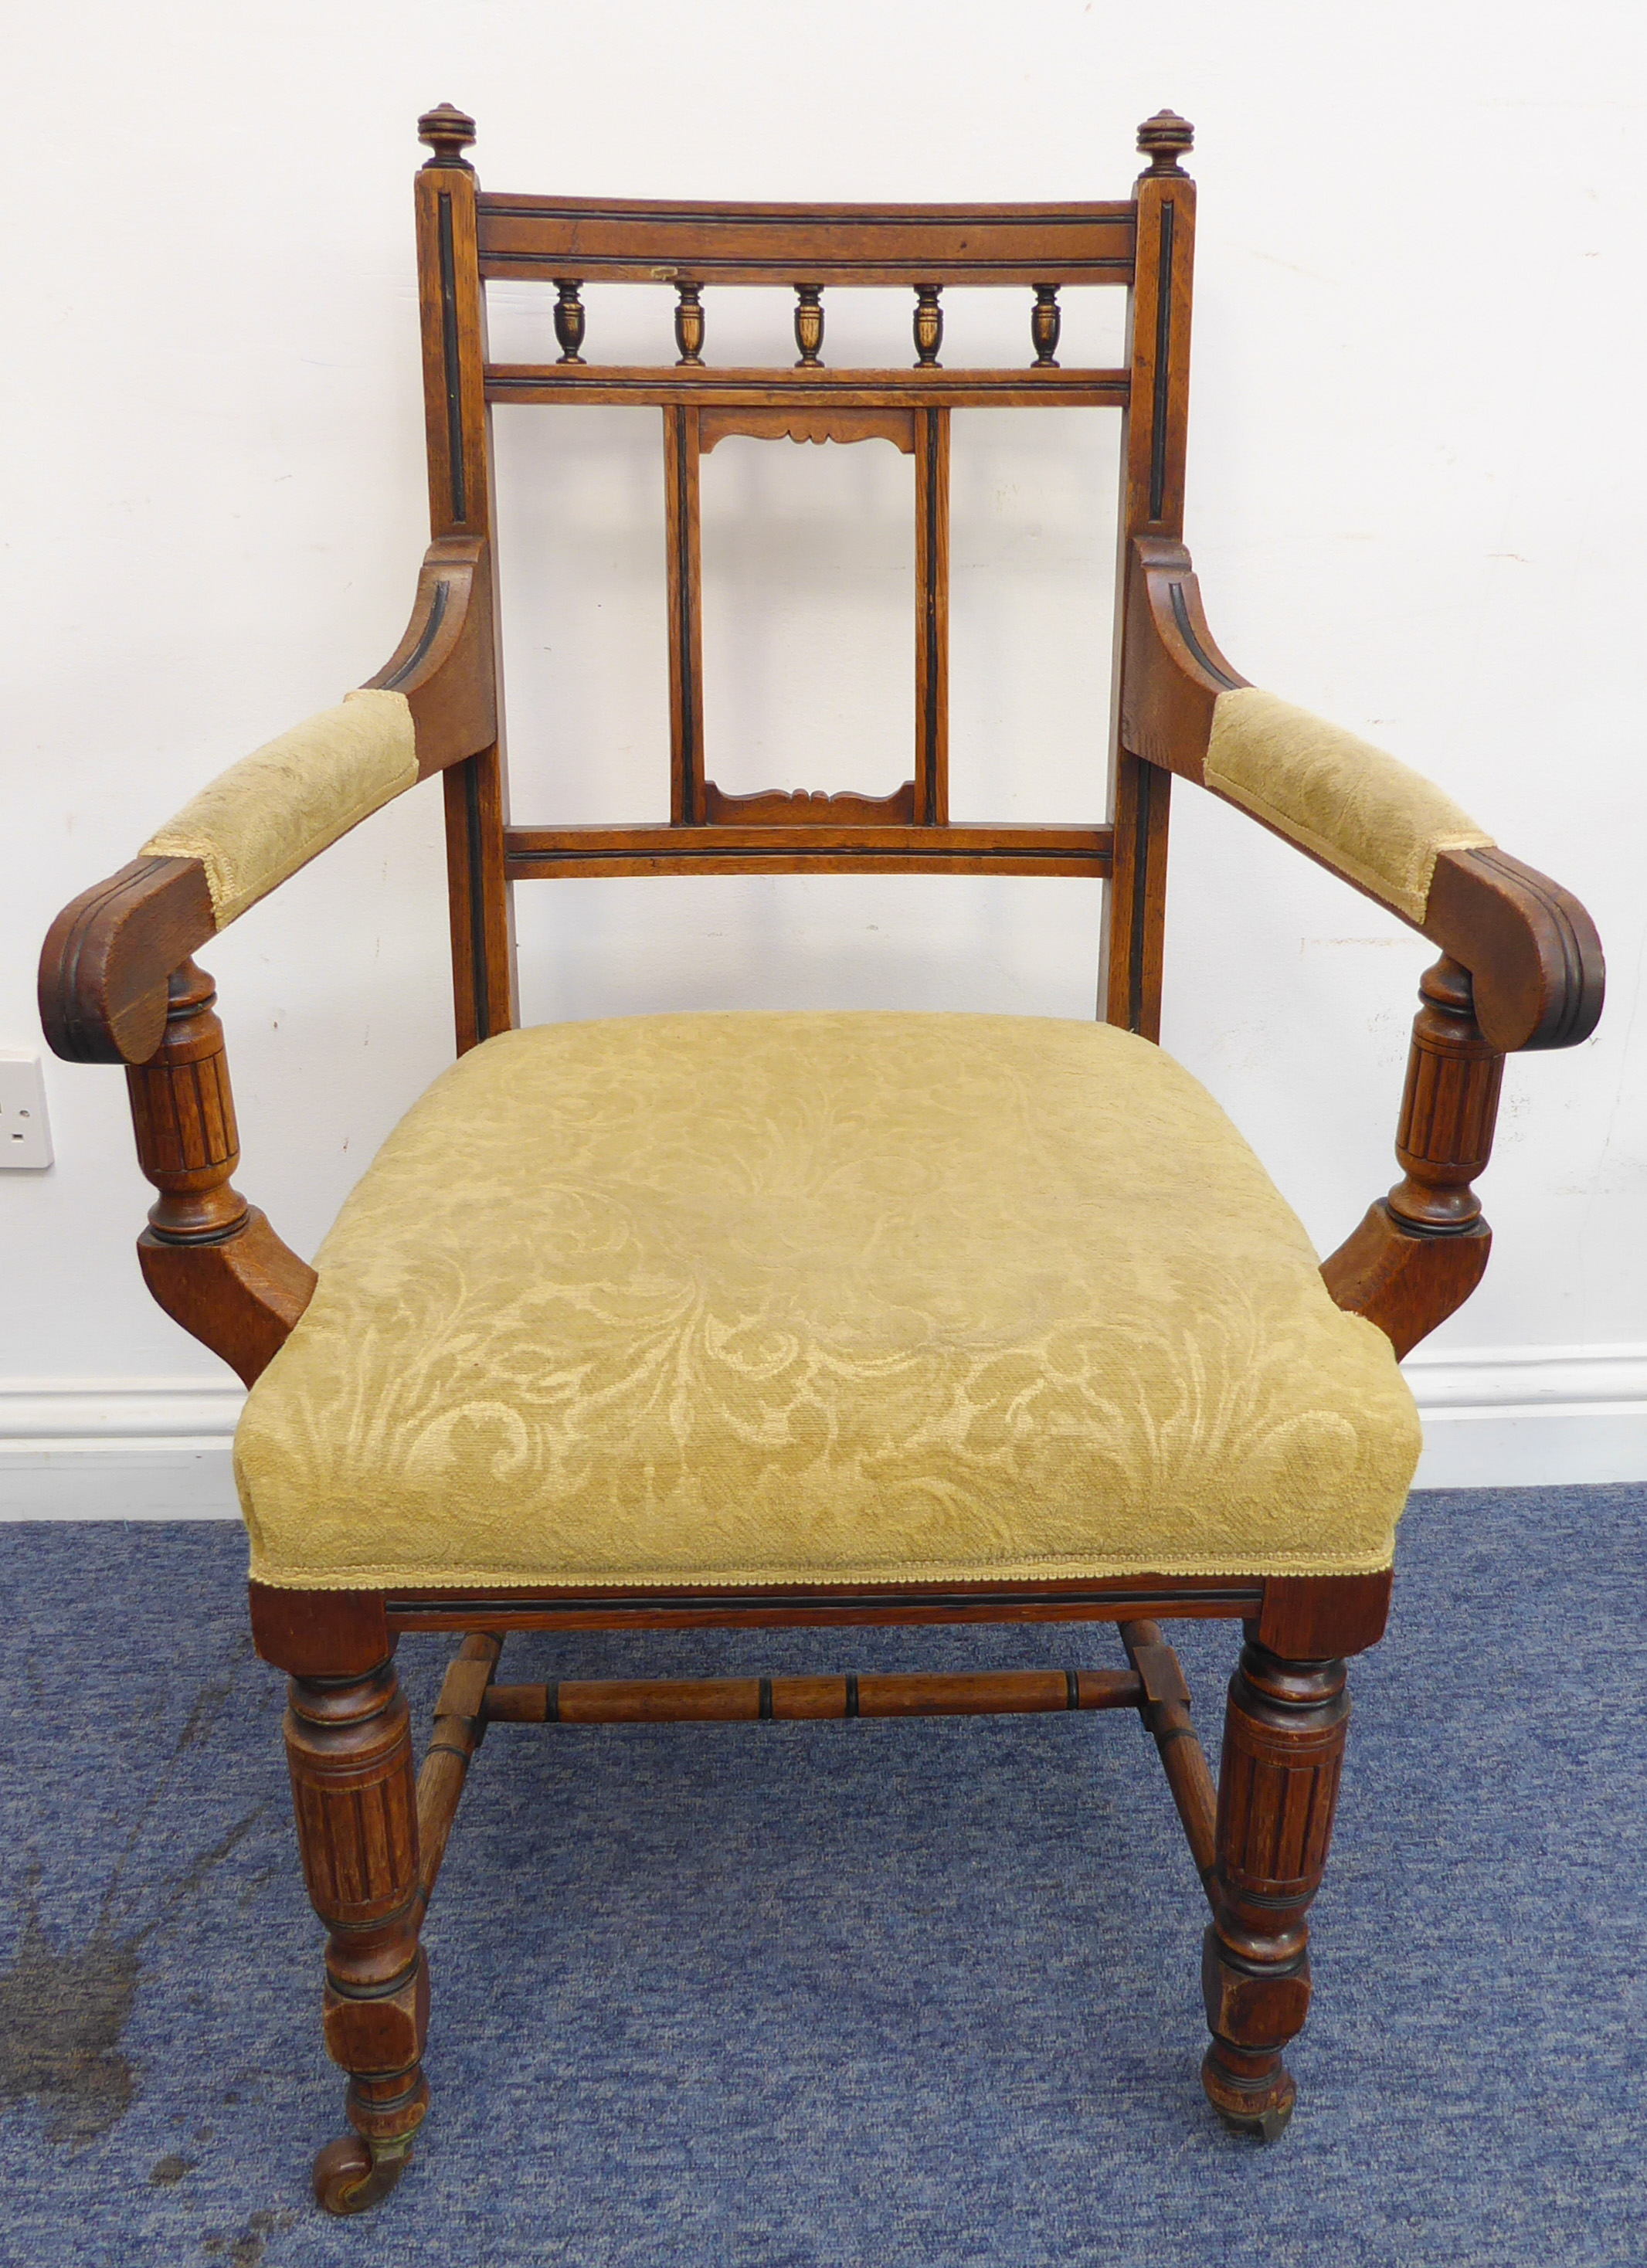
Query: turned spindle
569	319
183	1114
1046	321
689	324
929	325
1444	1136
809	325
1164	139
448	133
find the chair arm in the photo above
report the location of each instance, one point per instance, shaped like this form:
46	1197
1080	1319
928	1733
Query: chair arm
118	983
1521	963
108	956
1531	949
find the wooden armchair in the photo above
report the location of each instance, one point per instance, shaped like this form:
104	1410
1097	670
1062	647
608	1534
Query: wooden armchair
756	1320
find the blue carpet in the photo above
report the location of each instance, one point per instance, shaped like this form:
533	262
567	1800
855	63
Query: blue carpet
812	1997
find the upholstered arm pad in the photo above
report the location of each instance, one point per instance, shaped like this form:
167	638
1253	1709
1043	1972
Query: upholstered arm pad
276	809
1532	950
1339	798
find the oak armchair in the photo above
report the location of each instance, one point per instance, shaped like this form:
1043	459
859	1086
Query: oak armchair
754	1319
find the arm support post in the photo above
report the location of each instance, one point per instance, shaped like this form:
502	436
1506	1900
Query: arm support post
211	1260
1420	1252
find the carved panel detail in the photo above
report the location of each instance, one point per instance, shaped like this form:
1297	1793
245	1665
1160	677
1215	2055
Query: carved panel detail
810	808
893	424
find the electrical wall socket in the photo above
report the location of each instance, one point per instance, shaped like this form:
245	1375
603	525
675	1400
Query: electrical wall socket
25	1134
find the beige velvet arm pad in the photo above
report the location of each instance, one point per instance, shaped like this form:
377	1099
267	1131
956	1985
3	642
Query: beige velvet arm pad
1377	820
272	812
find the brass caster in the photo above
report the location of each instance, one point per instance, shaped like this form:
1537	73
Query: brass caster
1265	2125
351	2176
1256	2102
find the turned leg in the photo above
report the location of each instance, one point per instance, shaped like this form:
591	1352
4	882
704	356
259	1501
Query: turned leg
350	1746
1283	1744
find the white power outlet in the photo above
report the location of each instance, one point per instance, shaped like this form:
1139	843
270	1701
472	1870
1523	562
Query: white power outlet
25	1134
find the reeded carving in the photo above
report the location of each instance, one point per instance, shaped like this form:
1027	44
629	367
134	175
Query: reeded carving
929	325
449	133
809	325
349	1750
569	319
1046	321
182	1113
689	324
1444	1136
185	1114
351	1832
1277	1792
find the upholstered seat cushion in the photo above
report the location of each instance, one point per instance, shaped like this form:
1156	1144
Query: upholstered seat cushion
827	1298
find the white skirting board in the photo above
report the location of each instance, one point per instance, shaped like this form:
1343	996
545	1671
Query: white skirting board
117	1448
1530	1416
158	1449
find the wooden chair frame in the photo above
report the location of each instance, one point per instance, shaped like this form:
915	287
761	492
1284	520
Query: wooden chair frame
1520	967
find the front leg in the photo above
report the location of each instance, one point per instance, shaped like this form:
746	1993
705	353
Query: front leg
1283	1746
350	1746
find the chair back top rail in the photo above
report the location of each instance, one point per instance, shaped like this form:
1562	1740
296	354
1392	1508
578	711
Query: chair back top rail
608	240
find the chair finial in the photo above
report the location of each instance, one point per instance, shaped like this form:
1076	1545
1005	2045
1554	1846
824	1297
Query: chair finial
448	133
1163	138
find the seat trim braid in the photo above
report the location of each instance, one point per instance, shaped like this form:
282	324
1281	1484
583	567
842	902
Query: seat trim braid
664	1585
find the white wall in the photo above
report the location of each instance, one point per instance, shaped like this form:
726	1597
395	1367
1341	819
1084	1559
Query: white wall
1415	494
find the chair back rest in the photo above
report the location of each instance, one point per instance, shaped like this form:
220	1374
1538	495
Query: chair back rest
1143	245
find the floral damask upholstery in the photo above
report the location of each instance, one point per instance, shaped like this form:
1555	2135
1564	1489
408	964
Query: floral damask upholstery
1363	813
827	1298
281	805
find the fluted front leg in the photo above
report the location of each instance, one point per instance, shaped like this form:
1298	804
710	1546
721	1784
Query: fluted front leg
350	1746
1284	1747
